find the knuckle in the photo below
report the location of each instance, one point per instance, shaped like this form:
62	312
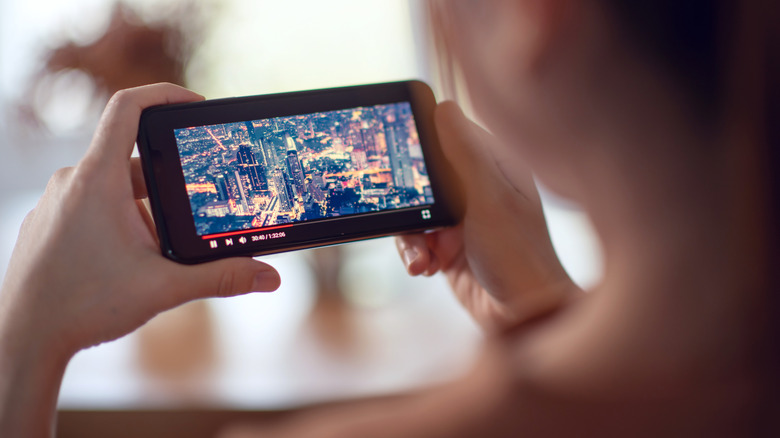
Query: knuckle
121	96
81	181
227	283
60	179
60	175
28	220
120	100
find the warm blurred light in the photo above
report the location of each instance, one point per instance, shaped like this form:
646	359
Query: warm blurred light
247	47
28	28
271	46
65	101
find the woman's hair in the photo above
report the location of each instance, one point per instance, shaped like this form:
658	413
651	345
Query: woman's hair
772	111
685	37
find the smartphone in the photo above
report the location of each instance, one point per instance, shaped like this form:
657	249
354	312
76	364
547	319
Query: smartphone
257	175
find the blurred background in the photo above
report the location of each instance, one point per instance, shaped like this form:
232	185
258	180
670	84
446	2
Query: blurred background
347	322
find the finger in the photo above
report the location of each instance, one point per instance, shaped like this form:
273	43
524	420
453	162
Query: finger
143	210
223	278
118	127
414	252
472	152
446	245
432	243
137	178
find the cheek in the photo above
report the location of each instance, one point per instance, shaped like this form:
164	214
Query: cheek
497	105
504	92
494	80
524	146
478	38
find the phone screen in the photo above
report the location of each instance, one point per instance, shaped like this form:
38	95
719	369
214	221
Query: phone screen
275	172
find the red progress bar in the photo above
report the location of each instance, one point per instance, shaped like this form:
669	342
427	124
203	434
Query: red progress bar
235	233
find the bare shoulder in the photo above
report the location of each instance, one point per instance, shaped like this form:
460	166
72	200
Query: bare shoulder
590	372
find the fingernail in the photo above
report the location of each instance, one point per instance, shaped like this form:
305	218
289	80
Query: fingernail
410	255
266	281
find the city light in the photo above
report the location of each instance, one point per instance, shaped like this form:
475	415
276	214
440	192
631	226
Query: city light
285	170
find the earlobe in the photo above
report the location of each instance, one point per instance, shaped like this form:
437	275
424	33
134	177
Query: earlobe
556	14
547	22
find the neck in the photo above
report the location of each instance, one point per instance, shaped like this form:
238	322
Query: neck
673	198
663	210
679	211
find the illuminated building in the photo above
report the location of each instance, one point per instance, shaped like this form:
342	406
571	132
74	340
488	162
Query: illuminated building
215	209
289	142
312	209
244	205
246	159
394	136
285	203
222	188
314	187
296	170
303	167
256	139
369	141
367	184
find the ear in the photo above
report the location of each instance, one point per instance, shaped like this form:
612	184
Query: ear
540	26
473	26
516	33
502	47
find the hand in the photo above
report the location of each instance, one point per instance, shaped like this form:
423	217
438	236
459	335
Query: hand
499	260
87	267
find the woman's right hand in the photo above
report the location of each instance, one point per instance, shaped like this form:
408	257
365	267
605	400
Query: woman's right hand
499	260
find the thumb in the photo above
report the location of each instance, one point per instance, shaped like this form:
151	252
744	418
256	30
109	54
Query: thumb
463	142
222	278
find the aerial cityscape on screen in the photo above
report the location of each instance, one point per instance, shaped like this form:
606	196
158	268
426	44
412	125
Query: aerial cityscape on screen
284	170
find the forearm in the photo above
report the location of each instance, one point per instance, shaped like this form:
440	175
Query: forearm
30	377
476	405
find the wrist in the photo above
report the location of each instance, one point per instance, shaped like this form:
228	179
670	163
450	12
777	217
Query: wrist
31	369
542	301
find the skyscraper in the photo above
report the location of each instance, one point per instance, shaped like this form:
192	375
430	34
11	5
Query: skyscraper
288	188
289	142
268	159
244	204
369	141
398	150
222	188
366	182
312	209
296	170
247	160
256	140
314	187
285	204
406	163
394	134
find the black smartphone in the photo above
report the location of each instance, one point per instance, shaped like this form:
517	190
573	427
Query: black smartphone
265	174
